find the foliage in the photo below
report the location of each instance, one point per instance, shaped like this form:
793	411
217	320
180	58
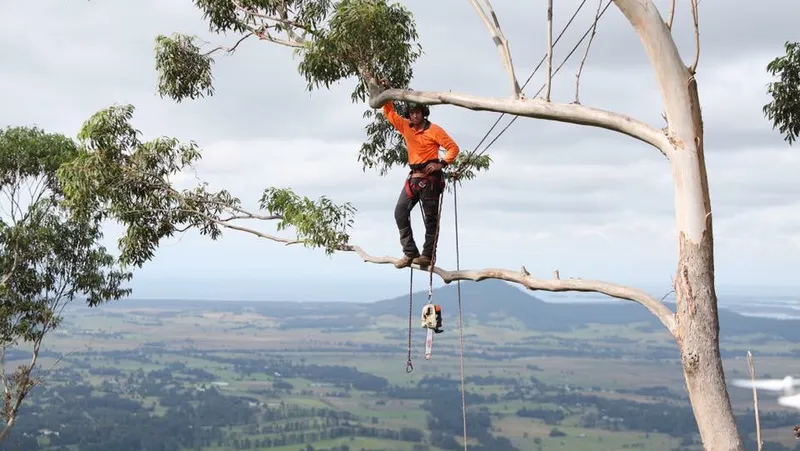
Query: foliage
47	257
322	223
118	176
182	70
363	39
784	109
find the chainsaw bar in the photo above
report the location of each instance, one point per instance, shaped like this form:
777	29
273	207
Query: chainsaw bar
428	344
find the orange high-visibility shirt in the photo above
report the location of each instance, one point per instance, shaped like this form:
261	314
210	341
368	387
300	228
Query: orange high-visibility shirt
423	145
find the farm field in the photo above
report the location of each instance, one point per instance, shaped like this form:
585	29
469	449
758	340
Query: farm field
239	376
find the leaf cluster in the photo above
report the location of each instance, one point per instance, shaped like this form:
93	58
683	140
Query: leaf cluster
47	257
362	39
784	108
319	223
119	176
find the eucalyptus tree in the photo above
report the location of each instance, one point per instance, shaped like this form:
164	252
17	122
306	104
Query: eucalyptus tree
365	41
784	107
48	257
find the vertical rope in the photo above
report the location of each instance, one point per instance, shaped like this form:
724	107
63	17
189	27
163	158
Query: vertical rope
435	245
409	365
460	321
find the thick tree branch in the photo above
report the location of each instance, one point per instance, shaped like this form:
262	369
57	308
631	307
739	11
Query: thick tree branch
500	41
662	312
586	53
534	108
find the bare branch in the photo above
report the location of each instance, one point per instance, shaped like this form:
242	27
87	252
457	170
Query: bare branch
549	49
259	25
695	13
500	41
671	14
535	108
586	53
229	49
752	368
521	277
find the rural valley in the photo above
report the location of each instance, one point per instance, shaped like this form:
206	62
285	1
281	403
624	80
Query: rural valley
201	375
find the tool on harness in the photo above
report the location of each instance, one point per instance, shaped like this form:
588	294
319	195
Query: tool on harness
432	317
431	320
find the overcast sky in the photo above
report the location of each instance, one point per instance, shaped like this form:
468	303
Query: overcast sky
589	202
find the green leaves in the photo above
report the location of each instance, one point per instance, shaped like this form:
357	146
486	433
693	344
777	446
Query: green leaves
182	70
784	109
318	223
117	176
47	257
364	38
384	147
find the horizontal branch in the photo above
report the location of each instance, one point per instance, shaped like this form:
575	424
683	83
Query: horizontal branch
661	311
534	108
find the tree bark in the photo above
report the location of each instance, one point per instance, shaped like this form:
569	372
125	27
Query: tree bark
697	323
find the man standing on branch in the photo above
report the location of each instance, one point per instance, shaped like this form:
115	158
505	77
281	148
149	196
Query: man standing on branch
425	181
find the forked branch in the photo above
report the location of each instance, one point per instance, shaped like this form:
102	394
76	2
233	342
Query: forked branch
500	41
534	108
229	49
260	25
586	53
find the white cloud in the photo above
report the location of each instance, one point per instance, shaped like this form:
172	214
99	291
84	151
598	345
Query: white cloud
587	201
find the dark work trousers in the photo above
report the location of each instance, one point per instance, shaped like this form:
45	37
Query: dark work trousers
424	191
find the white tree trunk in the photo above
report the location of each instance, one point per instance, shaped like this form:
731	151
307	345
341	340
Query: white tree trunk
697	325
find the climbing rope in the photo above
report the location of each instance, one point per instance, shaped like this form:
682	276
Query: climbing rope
460	322
409	365
458	289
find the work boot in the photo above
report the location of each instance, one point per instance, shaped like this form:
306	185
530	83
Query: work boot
403	261
423	261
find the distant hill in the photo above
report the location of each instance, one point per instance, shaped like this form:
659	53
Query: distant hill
485	301
492	297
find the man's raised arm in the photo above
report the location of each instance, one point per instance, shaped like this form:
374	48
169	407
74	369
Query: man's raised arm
398	122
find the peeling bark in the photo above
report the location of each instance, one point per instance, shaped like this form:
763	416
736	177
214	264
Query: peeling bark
697	321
